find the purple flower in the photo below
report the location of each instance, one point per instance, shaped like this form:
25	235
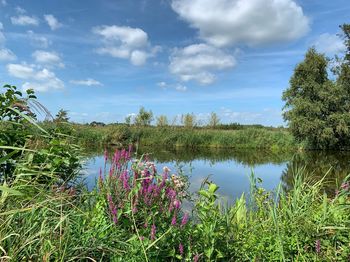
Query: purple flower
318	246
177	204
184	219
173	221
153	232
171	193
345	186
196	258
181	249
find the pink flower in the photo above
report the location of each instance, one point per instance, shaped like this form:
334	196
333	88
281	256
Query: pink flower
181	249
173	221
153	232
184	219
177	204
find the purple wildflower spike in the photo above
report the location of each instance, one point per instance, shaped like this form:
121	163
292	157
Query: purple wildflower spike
184	219
173	221
153	232
181	249
318	246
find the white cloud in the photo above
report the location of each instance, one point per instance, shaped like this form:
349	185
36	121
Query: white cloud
162	84
3	3
181	88
41	80
199	62
329	44
251	22
24	20
38	40
20	10
48	58
138	57
52	22
7	55
126	43
87	82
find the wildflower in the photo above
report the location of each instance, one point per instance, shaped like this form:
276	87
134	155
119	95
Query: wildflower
171	193
345	186
166	169
153	232
181	249
173	221
318	246
184	219
177	204
196	258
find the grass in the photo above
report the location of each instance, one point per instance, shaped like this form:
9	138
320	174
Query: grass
171	137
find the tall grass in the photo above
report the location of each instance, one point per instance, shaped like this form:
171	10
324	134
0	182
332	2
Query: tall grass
254	138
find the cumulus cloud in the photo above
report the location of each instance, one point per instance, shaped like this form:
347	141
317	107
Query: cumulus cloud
41	80
52	22
38	40
7	55
87	82
24	20
199	62
329	44
126	43
252	22
51	59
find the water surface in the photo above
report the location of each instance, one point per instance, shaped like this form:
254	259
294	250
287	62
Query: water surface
230	169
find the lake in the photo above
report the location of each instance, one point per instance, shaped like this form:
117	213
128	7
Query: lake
231	169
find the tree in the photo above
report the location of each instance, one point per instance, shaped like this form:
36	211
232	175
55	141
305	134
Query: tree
162	121
188	120
128	120
317	108
144	117
62	116
214	120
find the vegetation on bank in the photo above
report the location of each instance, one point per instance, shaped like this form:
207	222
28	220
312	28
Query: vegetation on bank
317	105
172	137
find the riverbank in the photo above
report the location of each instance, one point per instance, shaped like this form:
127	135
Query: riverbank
276	139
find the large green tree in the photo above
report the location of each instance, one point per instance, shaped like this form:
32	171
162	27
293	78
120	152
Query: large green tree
318	109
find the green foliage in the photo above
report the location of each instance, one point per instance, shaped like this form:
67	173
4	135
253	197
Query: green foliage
317	108
162	121
62	116
188	120
144	117
214	120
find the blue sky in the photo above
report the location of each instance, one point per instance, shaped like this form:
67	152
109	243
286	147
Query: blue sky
102	60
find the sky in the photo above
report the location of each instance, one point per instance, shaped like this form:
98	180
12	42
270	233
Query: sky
102	60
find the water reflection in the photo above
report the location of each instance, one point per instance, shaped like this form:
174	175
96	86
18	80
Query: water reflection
230	169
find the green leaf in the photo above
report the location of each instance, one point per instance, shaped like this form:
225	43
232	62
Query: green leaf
212	188
10	191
